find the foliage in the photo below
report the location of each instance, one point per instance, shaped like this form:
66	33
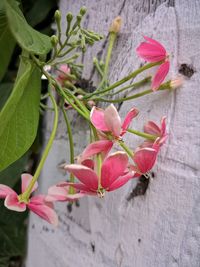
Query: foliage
19	107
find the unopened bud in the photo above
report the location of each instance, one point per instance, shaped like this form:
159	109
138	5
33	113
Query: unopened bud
79	18
80	97
83	10
54	40
69	17
91	103
57	16
177	82
116	25
95	60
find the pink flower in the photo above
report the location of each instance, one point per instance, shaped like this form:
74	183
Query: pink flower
109	123
159	131
60	192
153	51
37	204
114	174
62	73
144	159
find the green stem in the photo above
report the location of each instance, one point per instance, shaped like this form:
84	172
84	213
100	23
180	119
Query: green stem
112	38
79	103
125	79
27	193
71	146
126	149
96	64
145	135
132	86
146	92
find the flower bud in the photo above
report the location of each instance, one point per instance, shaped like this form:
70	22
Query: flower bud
54	40
177	82
83	10
116	25
69	17
95	60
57	16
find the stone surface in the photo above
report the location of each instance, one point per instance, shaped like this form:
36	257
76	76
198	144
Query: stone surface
161	228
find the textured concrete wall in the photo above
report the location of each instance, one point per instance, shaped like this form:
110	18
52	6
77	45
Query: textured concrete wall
162	227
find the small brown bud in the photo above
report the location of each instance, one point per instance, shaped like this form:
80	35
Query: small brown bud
116	25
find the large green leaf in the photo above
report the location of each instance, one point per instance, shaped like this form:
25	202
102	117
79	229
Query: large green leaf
20	115
7	42
11	175
28	38
5	91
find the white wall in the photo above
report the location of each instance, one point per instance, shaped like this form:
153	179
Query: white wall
161	228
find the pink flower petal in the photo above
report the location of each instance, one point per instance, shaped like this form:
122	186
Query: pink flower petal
122	180
58	193
163	125
159	46
96	147
12	203
5	190
26	179
150	52
113	167
145	159
84	174
131	114
112	120
43	211
152	128
160	75
88	163
97	119
78	186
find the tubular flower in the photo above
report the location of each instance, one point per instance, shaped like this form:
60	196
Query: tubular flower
61	193
153	51
114	174
159	131
144	159
37	204
109	123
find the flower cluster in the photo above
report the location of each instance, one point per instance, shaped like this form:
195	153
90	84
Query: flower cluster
98	170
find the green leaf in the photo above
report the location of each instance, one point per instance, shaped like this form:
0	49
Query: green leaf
5	91
20	115
7	42
28	38
12	240
11	175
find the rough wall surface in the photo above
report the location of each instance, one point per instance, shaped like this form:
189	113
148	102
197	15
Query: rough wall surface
161	228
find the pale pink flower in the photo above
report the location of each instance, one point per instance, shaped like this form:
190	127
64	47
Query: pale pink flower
109	123
37	204
153	51
159	131
114	174
61	193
